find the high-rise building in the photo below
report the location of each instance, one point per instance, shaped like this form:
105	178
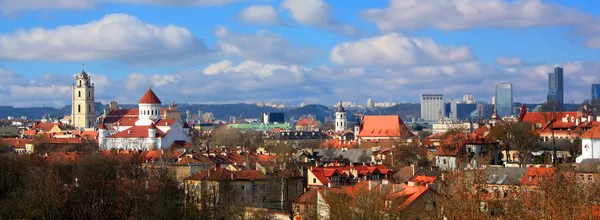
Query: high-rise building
468	99
432	107
596	92
370	103
555	88
82	109
504	99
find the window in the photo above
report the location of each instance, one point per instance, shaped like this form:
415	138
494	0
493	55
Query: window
444	161
297	208
264	187
89	93
581	178
79	83
78	108
243	188
314	180
78	93
89	108
254	187
590	178
264	199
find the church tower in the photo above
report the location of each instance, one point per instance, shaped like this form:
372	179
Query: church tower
340	118
82	112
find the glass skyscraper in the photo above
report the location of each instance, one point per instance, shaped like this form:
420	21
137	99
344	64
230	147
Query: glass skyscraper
595	91
555	88
504	99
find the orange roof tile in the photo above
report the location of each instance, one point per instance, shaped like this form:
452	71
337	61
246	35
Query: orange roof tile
592	133
534	175
15	142
307	122
149	98
336	143
383	126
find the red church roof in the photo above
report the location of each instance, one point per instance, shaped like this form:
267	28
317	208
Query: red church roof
592	133
149	98
384	126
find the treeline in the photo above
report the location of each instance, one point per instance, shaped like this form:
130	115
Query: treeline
93	186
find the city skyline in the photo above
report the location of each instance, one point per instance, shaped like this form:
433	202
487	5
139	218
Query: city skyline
295	51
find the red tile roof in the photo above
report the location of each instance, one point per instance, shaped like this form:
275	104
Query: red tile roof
136	132
222	174
336	143
323	173
306	122
383	126
15	142
149	98
102	126
592	133
535	175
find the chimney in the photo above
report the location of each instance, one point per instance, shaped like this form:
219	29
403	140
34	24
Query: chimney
412	183
329	184
414	169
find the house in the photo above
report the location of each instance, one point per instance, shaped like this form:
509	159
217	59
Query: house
560	125
503	182
590	145
382	131
535	176
251	188
345	175
308	124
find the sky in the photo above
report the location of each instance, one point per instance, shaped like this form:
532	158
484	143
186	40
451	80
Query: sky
293	51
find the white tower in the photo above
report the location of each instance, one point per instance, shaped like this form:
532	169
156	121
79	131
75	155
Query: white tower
149	107
340	118
102	135
82	109
151	140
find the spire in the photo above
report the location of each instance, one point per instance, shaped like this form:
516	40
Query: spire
340	108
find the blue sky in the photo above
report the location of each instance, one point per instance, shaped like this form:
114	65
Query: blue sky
314	51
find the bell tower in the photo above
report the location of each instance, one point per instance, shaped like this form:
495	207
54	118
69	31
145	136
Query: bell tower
82	111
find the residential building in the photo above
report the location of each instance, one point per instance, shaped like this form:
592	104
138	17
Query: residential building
432	107
308	124
345	175
555	88
590	145
504	99
82	109
370	103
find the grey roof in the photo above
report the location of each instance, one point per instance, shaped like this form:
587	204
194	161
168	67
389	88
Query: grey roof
351	154
588	166
561	145
340	108
505	175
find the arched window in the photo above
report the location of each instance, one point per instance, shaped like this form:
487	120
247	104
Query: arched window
79	83
89	93
78	108
79	94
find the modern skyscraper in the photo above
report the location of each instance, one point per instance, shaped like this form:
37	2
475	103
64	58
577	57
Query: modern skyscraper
504	99
596	92
432	105
555	88
370	103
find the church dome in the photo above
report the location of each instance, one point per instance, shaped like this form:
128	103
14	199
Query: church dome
149	98
340	108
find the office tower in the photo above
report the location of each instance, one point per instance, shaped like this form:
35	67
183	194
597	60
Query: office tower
504	99
468	99
596	92
555	88
453	111
431	107
370	103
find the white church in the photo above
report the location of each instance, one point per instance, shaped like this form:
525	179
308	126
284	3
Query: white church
147	130
590	145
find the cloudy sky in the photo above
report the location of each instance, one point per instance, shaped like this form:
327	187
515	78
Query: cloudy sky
315	51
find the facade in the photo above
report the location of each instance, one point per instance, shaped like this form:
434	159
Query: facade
273	118
82	109
382	130
595	92
340	119
504	99
555	88
146	131
431	107
590	145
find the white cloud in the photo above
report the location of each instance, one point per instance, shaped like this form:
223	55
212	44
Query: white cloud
464	14
115	36
397	50
259	14
263	46
12	6
254	68
316	13
508	61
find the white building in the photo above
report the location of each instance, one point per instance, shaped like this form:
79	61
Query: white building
370	103
147	131
432	106
590	145
468	99
340	118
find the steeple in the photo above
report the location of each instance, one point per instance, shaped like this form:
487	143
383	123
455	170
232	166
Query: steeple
340	108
